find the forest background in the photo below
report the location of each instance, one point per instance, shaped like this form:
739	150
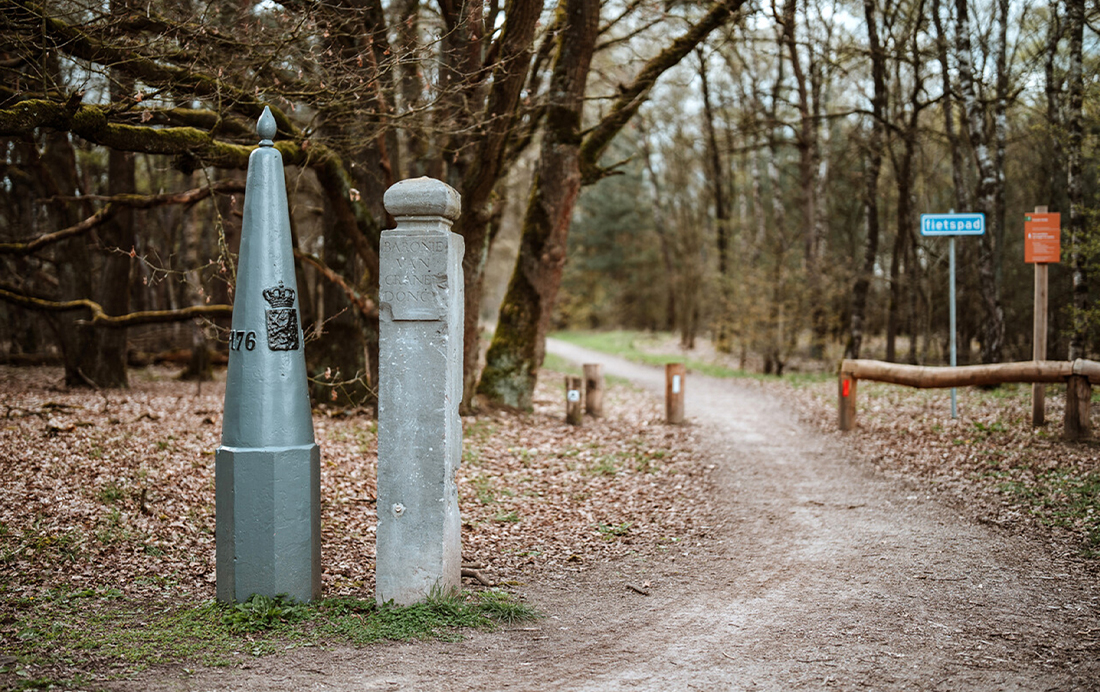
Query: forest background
748	170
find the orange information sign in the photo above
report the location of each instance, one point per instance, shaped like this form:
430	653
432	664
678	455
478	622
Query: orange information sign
1042	238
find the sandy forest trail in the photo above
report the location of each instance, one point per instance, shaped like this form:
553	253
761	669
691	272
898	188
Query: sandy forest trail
817	573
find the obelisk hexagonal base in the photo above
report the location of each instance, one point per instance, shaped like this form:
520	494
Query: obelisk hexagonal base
268	526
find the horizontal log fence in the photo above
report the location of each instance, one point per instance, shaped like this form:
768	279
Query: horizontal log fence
1079	376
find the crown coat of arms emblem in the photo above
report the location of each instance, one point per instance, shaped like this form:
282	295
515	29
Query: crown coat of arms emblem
282	318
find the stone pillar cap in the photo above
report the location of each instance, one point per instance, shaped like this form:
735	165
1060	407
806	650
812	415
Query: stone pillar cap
423	197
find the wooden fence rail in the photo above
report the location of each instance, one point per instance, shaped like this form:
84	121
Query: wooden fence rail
1078	375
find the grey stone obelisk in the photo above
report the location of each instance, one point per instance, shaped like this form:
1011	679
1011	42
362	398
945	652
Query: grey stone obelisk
267	470
419	549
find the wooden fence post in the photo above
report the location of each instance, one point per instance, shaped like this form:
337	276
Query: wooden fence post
574	406
846	388
1039	338
674	393
593	389
1078	400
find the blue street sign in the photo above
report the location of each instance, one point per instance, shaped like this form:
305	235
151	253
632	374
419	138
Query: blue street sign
952	224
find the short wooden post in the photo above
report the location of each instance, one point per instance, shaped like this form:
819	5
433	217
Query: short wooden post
593	389
674	393
574	404
1078	400
1039	338
846	388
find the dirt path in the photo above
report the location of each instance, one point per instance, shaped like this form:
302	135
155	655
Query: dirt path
816	574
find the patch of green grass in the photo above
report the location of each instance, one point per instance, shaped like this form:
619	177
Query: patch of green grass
35	540
1061	497
612	531
506	517
111	493
471	455
262	613
605	465
985	430
483	487
525	456
113	529
480	430
64	631
628	344
363	622
558	364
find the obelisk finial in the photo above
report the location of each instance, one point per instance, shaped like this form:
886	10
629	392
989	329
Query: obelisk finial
267	475
266	128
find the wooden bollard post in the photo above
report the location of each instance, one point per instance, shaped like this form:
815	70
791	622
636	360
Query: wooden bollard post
846	388
574	406
1039	338
674	393
1078	400
593	389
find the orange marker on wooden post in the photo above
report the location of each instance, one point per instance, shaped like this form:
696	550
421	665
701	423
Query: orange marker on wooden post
846	386
1042	245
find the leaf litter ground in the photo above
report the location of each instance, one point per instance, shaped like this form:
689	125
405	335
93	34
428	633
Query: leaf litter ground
108	495
990	462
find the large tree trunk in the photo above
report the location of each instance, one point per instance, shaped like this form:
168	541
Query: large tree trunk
56	172
904	254
104	360
718	180
1053	172
661	227
967	292
1075	11
809	157
519	343
870	185
343	360
483	166
102	357
990	180
566	160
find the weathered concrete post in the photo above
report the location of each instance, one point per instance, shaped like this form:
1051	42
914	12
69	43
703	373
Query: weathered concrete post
419	550
267	471
574	400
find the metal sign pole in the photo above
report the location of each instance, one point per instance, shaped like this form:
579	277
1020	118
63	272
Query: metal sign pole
951	225
954	350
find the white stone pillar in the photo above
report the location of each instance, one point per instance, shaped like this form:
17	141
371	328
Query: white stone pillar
419	549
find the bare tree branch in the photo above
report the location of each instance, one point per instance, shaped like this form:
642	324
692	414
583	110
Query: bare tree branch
96	219
102	319
635	94
364	304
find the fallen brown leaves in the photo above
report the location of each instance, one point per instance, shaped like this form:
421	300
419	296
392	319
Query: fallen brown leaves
117	489
990	462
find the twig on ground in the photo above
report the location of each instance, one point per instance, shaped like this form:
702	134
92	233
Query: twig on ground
475	574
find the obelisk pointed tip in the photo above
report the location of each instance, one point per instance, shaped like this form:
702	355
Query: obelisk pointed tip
266	127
